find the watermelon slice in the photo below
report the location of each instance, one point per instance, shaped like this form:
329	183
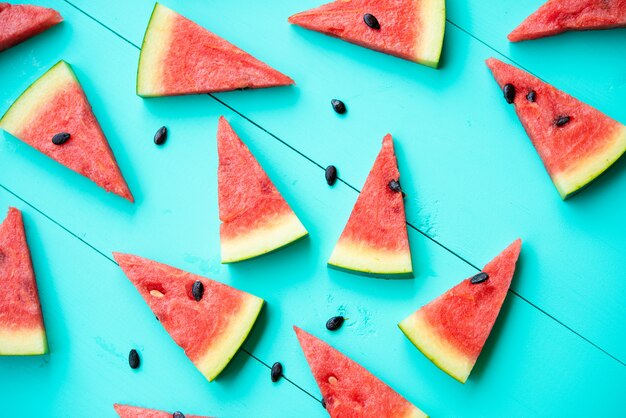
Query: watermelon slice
452	329
374	241
575	152
557	16
409	29
349	390
18	22
255	218
180	57
21	324
127	411
56	103
210	330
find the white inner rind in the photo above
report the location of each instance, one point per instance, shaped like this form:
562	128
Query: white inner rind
276	233
213	361
156	43
437	349
432	15
26	342
359	256
570	181
26	107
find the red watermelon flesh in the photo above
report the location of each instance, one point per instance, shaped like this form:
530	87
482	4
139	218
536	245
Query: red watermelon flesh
179	57
210	330
409	29
375	240
255	217
452	329
349	390
127	411
19	22
557	16
56	103
574	154
22	330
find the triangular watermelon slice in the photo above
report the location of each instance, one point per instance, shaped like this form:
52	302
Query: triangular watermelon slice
179	57
18	22
452	329
255	218
349	390
55	104
211	329
375	241
557	16
127	411
409	29
21	324
576	142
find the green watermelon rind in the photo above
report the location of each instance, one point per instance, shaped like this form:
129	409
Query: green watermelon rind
374	274
341	260
436	14
35	343
297	238
146	37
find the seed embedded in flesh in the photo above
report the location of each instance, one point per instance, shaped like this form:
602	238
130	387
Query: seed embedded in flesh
197	290
394	185
338	106
531	96
178	414
331	175
371	21
161	136
509	93
335	323
479	278
561	120
133	359
60	138
277	372
324	403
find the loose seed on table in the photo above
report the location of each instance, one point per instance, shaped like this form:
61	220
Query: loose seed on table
509	93
394	185
133	359
331	175
178	414
60	138
531	96
334	323
479	278
277	371
371	21
338	106
197	290
561	120
161	136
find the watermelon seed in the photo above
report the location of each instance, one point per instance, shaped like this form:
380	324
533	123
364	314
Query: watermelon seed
331	175
178	414
277	372
394	185
133	359
509	93
338	106
371	21
332	380
334	323
197	290
561	120
156	293
479	278
161	136
60	138
531	96
324	403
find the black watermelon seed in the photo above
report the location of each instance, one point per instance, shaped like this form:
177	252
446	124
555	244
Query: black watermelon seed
277	371
331	175
531	96
371	21
133	359
334	323
338	106
324	403
161	136
60	138
479	278
394	185
561	120
178	414
509	93
197	290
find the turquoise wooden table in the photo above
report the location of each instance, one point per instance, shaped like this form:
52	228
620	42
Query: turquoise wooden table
473	182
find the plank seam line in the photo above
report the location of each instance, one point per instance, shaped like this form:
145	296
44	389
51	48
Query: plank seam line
343	181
